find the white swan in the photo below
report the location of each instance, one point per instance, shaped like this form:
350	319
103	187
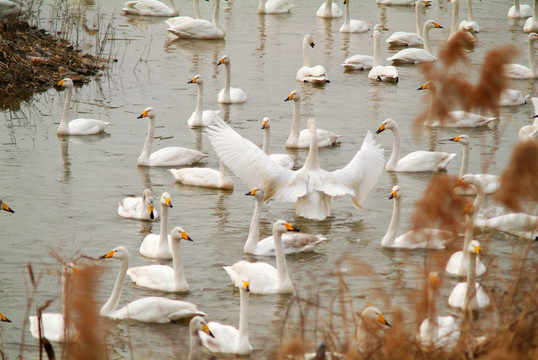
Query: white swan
441	332
158	246
185	27
416	161
229	95
329	10
204	177
371	330
469	295
163	277
77	126
168	156
526	132
265	278
358	62
517	71
415	239
518	224
519	10
138	207
284	160
531	24
470	24
470	39
417	55
4	318
300	139
5	207
316	74
196	325
149	8
513	97
403	38
352	25
201	117
291	242
310	188
274	7
147	309
395	2
380	72
228	339
53	324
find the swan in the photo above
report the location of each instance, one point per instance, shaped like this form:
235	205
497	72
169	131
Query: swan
300	139
417	161
149	8
395	2
201	118
168	156
53	324
519	10
5	207
284	160
518	224
294	242
469	25
310	187
463	296
148	309
139	207
417	55
274	7
403	38
358	62
4	318
437	331
526	132
230	95
11	10
185	27
517	71
77	126
513	97
204	177
531	24
196	325
378	71
229	339
316	74
469	38
265	278
371	330
163	277
157	246
414	239
329	10
351	25
457	118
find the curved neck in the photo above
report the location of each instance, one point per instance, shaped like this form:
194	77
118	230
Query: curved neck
196	5
65	114
312	160
293	139
532	65
224	177
114	299
216	15
418	15
377	48
242	338
306	60
346	15
266	140
163	234
146	150
199	100
395	154
392	231
281	266
426	37
464	160
254	231
177	262
455	11
469	10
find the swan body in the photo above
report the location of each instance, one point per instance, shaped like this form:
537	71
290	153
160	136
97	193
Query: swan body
417	161
204	177
470	24
395	2
329	10
512	97
201	117
229	339
230	95
371	330
77	126
148	309
316	74
300	139
274	7
285	160
358	62
310	187
351	25
185	27
292	242
197	325
265	278
528	132
158	246
531	24
466	35
518	224
168	156
519	10
139	207
517	71
163	277
149	8
378	71
5	207
417	55
403	38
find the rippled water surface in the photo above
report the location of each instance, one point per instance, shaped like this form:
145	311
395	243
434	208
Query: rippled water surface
66	191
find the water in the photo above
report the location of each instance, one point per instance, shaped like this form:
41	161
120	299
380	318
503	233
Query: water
65	191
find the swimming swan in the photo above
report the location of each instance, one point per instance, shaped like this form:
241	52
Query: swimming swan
284	160
292	242
5	207
274	7
196	325
201	117
139	207
371	330
513	97
531	24
185	27
204	177
316	74
470	24
519	11
526	132
518	224
229	95
351	25
158	246
417	55
77	126
403	38
149	8
470	39
517	71
329	10
168	156
148	309
164	277
416	161
380	72
310	187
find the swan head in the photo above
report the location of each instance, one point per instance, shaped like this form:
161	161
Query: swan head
198	323
165	199
372	316
265	123
294	95
65	83
427	86
148	112
532	37
462	139
308	39
282	226
225	59
430	24
395	193
4	318
245	285
379	27
474	247
197	79
178	233
149	202
257	193
433	279
423	3
121	252
5	207
386	125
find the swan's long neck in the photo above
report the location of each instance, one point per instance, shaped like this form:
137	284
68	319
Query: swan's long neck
432	312
224	176
532	65
261	7
312	160
199	100
114	299
65	291
455	11
426	37
163	234
469	10
216	16
328	9
242	338
395	154
65	114
517	8
306	60
377	49
266	140
418	15
146	150
196	5
535	10
254	231
392	231
227	79
195	344
281	266
464	169
177	262
293	139
470	295
346	15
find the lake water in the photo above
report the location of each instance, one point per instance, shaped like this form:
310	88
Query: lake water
65	192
